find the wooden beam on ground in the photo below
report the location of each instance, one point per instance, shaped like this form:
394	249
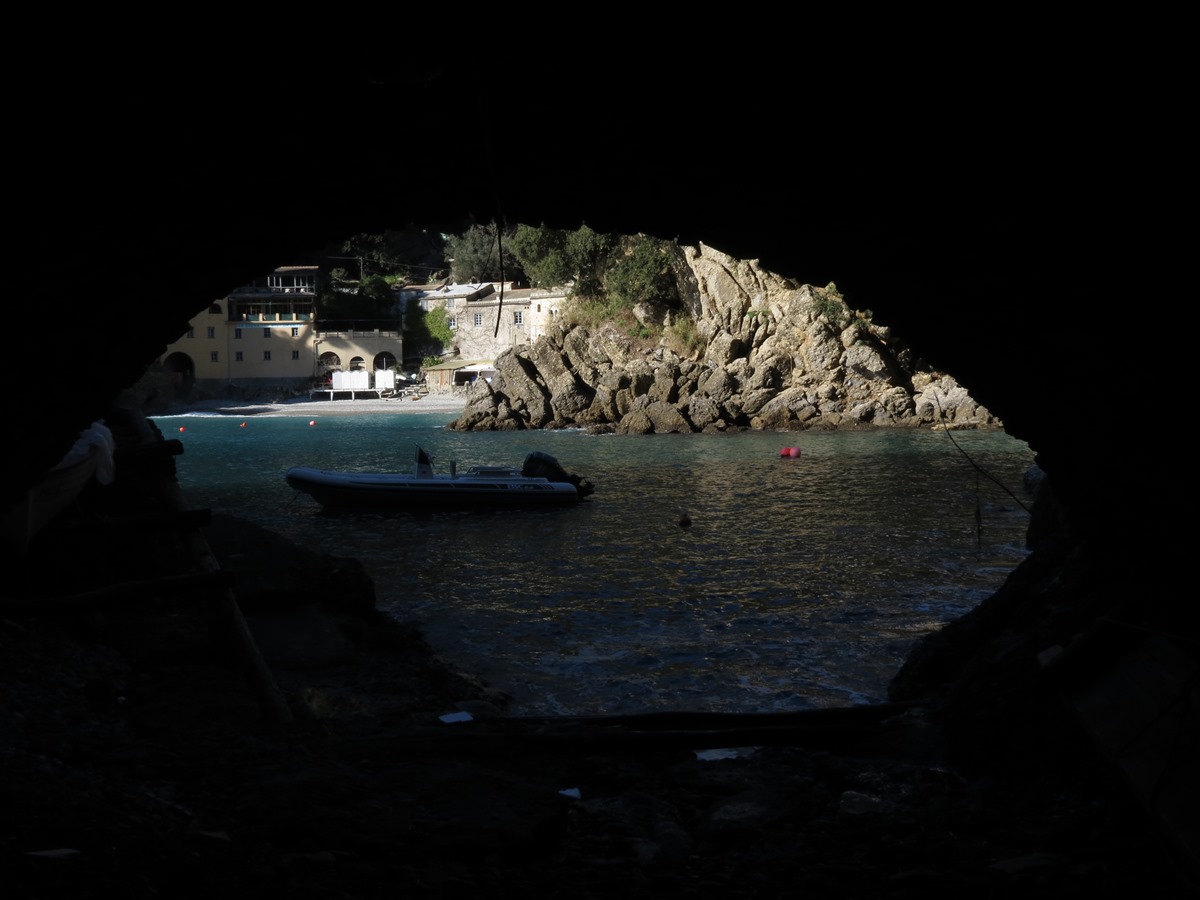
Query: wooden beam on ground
827	729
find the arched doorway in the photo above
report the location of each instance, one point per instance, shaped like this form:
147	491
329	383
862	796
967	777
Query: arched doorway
181	365
327	363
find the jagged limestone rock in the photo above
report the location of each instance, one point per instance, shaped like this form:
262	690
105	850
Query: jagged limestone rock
776	355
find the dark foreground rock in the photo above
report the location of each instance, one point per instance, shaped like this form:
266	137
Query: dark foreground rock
141	756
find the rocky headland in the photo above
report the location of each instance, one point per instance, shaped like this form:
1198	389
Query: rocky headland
749	349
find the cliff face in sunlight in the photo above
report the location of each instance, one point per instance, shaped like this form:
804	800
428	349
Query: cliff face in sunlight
760	352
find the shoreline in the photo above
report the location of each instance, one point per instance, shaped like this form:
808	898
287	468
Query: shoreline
452	406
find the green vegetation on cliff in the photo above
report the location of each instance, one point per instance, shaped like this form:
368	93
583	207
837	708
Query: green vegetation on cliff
632	281
614	279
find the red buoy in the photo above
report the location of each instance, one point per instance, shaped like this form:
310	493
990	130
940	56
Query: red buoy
790	453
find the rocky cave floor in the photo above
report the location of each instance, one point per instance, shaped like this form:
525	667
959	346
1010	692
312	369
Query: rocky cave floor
139	759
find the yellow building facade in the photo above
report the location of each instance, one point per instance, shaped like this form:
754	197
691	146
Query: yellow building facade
264	337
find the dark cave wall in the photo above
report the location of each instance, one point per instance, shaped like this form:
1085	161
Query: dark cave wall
978	231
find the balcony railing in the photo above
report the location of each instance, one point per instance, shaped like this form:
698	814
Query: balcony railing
262	290
270	312
357	334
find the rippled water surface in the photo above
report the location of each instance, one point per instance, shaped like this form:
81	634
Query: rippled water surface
800	582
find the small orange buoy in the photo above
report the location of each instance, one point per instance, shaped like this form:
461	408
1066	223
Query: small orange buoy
312	422
181	428
243	425
790	453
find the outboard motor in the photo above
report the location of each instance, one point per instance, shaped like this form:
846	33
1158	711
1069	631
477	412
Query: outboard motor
424	466
543	465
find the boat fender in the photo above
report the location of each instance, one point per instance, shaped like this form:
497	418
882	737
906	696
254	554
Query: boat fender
790	453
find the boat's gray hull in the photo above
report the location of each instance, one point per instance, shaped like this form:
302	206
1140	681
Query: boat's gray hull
351	490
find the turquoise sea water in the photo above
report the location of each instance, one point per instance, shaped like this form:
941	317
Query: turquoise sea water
800	583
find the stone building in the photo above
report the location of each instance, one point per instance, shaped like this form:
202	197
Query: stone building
486	318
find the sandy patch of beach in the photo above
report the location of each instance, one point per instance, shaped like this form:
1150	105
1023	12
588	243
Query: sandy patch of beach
450	404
